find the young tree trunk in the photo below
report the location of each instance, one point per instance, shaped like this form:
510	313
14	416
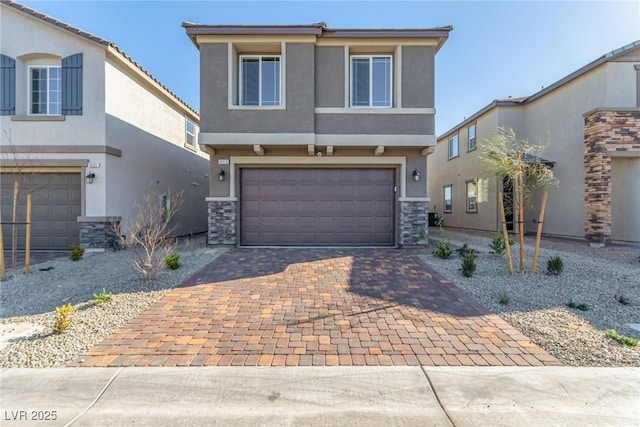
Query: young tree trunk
520	211
539	231
14	226
3	272
27	240
505	233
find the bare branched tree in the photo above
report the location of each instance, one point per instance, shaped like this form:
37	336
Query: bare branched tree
149	234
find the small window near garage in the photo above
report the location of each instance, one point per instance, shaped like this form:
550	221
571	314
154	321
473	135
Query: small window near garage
448	200
45	91
190	134
453	147
259	80
472	138
472	196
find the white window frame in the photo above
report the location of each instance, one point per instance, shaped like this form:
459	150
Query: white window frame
444	193
469	139
30	83
240	82
457	145
187	133
370	58
471	209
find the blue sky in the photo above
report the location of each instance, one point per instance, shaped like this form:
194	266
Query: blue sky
497	49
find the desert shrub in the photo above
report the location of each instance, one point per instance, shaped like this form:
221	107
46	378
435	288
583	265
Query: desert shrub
577	305
624	340
555	265
503	297
497	244
468	264
172	262
101	298
76	253
622	298
464	250
443	250
63	318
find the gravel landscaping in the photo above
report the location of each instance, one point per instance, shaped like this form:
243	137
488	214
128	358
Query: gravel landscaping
596	277
32	299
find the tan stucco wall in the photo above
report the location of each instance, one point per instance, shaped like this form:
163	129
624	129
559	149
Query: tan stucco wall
151	135
457	171
625	199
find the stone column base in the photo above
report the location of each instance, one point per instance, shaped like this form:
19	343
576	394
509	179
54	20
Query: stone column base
222	223
97	232
414	223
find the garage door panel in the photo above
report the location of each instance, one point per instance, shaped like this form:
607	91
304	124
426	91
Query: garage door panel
56	201
317	206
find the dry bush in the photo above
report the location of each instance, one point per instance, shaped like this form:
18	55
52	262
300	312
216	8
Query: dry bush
149	235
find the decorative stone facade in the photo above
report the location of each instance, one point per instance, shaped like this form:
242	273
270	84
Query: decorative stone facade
414	223
97	232
606	131
223	223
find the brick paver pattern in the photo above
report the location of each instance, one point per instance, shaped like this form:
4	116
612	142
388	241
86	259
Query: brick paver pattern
324	307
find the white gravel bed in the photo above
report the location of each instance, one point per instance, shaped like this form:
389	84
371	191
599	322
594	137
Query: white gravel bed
537	303
33	298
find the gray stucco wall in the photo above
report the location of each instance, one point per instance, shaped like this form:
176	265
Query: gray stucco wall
299	92
329	76
417	76
382	124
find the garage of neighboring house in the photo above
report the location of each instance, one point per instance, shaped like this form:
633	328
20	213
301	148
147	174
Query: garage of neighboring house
56	205
317	206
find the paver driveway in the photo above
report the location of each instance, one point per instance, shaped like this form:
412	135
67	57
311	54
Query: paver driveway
316	307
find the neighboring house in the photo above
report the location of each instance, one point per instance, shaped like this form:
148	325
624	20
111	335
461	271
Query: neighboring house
91	131
317	136
592	120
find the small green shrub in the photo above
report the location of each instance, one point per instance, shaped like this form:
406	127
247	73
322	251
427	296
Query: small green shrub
101	298
76	253
497	245
624	340
443	250
172	262
555	265
577	306
503	297
63	318
468	264
464	250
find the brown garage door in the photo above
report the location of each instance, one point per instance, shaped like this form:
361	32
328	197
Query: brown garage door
317	207
56	206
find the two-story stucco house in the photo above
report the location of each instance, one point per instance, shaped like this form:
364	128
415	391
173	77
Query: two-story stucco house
592	119
92	131
317	136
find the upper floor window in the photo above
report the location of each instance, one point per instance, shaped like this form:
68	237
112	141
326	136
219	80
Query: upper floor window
259	80
191	134
46	90
453	146
472	138
371	81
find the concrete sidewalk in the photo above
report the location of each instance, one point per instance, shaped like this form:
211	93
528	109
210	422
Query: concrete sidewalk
322	396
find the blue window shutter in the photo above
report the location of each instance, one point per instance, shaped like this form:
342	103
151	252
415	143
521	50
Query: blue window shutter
7	86
72	85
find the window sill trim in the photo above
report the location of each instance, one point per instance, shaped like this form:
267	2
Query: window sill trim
24	118
472	149
190	147
373	110
257	107
454	157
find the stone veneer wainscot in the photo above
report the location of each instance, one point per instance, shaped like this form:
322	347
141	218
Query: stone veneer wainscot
222	222
414	224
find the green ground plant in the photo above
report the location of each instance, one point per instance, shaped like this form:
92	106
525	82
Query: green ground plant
76	253
172	262
624	340
497	244
555	265
468	264
503	297
101	298
577	306
443	250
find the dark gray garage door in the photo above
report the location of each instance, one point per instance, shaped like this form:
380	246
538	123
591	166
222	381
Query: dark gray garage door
56	206
317	206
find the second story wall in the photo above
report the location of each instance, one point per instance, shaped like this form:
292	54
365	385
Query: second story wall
37	45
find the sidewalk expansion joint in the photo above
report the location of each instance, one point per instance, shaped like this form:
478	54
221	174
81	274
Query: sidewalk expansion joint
435	393
102	392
